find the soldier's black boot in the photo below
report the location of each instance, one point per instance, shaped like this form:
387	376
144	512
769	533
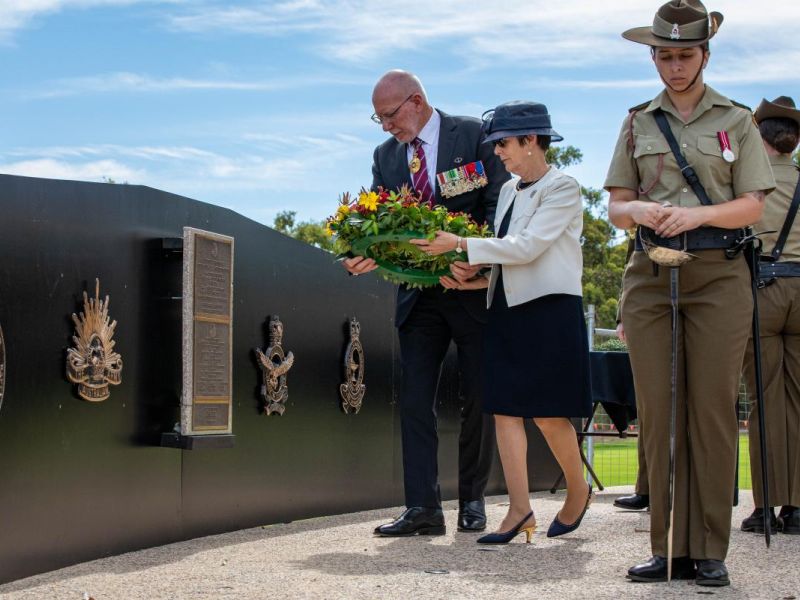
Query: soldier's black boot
655	569
755	522
790	517
633	502
711	572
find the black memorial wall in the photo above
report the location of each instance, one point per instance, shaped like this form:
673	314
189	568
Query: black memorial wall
81	480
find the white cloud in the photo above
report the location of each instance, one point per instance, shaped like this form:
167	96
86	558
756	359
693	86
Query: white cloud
126	82
84	171
16	14
759	67
536	32
291	159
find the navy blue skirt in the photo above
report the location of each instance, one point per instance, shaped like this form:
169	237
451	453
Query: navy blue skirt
537	358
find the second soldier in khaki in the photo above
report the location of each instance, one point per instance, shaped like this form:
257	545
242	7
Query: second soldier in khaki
779	317
648	190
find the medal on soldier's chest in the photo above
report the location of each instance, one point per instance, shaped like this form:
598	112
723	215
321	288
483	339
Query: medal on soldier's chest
725	146
415	163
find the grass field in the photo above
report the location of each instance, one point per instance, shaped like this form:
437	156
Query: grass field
616	461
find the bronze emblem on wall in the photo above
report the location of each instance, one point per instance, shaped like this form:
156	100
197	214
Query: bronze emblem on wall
274	367
2	366
92	363
353	389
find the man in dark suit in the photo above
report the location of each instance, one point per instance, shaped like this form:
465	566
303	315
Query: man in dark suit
426	142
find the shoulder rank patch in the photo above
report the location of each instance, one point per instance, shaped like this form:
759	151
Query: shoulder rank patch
639	107
747	108
740	105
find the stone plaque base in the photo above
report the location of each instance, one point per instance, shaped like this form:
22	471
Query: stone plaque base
196	442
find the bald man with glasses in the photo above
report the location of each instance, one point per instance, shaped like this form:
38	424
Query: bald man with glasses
425	141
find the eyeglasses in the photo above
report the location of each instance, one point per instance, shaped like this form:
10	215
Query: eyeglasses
389	116
501	142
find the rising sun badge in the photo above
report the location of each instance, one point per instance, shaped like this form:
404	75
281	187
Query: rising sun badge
92	363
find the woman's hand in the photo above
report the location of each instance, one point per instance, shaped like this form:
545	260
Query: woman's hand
621	333
678	219
463	271
443	242
476	283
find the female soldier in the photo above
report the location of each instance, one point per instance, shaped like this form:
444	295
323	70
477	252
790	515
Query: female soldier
779	317
648	190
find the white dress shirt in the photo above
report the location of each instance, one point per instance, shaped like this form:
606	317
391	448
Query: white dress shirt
430	145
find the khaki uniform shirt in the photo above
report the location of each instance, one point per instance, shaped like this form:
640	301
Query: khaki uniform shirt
643	161
776	207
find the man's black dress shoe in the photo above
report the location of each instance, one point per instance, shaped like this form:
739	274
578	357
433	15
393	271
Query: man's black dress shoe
790	516
755	522
471	515
633	502
417	520
655	569
712	572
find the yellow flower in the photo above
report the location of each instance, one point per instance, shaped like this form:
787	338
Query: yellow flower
328	229
368	200
450	218
342	212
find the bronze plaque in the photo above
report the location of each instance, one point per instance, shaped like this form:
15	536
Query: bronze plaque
2	366
212	416
212	351
213	270
207	332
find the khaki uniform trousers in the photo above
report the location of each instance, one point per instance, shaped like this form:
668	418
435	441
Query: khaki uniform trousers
779	321
715	304
642	486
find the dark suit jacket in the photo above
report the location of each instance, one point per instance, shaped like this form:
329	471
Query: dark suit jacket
459	137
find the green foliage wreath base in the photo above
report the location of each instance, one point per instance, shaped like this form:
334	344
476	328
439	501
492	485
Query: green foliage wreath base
425	271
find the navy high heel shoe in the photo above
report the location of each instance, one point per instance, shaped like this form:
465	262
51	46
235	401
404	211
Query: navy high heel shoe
506	536
558	528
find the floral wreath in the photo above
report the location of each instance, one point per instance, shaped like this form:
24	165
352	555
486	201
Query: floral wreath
378	225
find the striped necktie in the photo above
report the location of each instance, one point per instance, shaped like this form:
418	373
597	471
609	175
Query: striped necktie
420	179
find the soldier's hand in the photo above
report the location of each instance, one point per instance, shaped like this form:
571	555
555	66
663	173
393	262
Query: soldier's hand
679	219
621	332
358	265
649	214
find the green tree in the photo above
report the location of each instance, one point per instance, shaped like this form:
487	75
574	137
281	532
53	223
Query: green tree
284	221
603	254
310	232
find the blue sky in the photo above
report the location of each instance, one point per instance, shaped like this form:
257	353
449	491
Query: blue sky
264	106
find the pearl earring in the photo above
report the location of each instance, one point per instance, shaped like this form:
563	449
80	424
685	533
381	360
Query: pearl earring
530	153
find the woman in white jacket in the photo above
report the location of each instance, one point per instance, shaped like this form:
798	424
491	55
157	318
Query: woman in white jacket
536	343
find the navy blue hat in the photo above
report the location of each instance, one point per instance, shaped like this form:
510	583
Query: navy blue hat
518	117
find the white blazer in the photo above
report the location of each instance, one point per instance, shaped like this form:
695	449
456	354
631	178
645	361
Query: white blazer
541	252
